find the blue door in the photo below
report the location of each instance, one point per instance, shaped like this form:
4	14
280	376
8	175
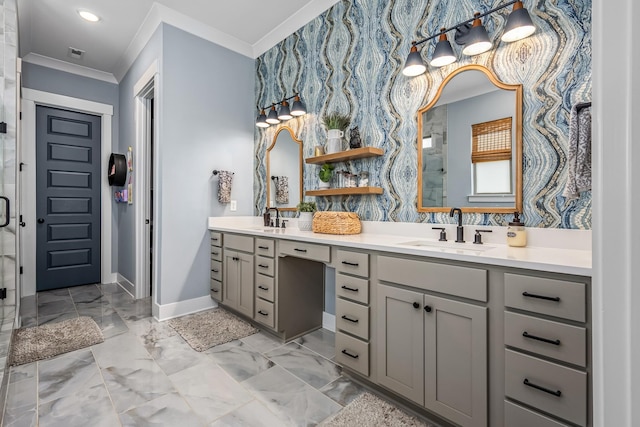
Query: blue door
67	198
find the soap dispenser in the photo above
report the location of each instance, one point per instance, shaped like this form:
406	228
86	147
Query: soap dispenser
266	217
516	233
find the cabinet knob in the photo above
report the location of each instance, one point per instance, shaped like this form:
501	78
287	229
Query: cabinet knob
416	305
427	308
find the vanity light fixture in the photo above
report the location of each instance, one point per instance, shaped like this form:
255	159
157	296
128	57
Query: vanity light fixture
285	113
88	16
473	35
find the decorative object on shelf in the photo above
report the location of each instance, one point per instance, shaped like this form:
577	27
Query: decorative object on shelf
117	170
336	223
472	35
336	124
285	113
305	215
363	179
325	174
354	138
318	150
224	185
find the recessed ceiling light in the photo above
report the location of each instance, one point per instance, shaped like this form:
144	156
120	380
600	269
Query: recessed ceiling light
91	17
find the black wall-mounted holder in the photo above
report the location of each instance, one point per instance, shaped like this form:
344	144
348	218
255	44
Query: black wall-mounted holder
117	171
3	127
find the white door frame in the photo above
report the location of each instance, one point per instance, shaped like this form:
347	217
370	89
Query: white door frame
145	88
30	99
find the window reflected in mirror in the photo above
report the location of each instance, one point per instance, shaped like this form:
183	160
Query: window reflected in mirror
284	170
470	145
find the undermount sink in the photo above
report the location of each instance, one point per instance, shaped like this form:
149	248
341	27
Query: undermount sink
453	247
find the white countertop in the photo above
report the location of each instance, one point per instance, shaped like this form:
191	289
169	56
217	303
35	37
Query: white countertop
394	239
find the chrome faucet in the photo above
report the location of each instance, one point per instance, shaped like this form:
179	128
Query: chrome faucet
277	216
459	228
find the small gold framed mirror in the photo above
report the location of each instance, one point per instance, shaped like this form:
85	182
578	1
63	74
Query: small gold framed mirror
470	145
284	170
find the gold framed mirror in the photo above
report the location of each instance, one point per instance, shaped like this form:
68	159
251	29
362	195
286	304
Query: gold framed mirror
470	145
284	170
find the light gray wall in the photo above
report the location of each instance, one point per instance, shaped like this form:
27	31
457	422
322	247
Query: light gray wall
59	82
207	114
126	243
460	116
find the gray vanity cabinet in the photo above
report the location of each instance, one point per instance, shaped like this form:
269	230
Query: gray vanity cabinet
238	274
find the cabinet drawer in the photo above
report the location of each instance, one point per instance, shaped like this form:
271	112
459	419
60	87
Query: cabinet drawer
516	415
216	239
305	250
466	282
265	247
240	243
545	381
265	287
216	253
216	270
265	266
355	263
352	288
352	353
265	313
552	339
352	318
215	290
557	298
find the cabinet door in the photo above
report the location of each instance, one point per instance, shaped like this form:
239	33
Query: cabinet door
230	279
456	360
401	342
245	284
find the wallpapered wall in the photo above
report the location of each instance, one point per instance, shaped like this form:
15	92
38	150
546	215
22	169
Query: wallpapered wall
350	60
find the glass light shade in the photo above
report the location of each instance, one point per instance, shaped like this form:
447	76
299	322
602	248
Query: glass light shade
414	65
88	16
272	118
285	113
298	108
478	40
443	54
519	24
261	121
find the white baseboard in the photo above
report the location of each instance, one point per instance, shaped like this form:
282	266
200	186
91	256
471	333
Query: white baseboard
125	284
329	321
177	309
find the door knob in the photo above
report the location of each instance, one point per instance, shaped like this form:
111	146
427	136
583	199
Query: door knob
146	221
40	220
416	305
427	309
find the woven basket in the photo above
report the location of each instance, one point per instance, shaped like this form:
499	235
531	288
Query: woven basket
336	223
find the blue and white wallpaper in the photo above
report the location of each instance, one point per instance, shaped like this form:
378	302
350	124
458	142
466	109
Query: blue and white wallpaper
350	60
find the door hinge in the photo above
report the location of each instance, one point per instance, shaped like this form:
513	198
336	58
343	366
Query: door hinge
3	293
21	165
3	127
21	270
20	115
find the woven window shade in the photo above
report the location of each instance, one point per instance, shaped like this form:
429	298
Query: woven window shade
491	141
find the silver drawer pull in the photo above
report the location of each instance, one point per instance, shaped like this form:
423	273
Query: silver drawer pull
300	250
353	356
533	337
537	387
350	319
263	288
349	289
527	294
264	313
352	264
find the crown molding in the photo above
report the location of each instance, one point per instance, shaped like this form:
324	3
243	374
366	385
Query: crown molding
68	67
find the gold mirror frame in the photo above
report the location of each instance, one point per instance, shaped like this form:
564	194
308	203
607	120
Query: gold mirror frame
517	88
300	166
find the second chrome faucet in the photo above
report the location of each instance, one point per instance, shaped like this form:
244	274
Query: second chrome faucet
459	228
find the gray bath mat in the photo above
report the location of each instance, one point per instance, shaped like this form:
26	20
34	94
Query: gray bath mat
210	328
370	410
43	342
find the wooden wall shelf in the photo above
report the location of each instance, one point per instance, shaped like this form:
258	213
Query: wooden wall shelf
342	156
344	191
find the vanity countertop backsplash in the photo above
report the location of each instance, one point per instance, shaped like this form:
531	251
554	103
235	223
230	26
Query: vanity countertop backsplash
552	250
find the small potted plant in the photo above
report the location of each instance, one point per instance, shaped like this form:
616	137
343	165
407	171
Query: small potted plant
336	124
305	215
325	173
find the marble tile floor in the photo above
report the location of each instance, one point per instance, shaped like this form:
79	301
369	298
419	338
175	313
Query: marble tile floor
145	374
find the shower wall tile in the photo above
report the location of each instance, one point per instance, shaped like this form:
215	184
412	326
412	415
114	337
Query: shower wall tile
350	58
